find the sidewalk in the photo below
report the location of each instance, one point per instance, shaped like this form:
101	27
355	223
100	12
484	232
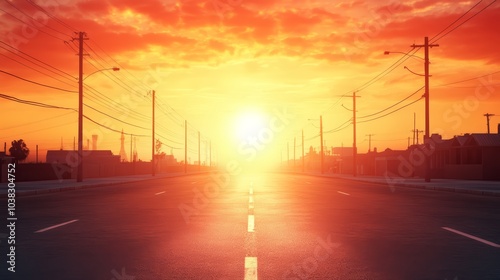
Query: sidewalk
50	186
488	188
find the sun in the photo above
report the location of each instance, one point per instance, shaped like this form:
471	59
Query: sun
249	124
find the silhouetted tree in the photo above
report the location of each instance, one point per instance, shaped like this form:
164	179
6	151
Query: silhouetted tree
19	151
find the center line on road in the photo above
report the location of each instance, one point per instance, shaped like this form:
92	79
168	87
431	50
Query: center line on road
250	268
343	193
251	223
55	226
158	193
250	200
472	237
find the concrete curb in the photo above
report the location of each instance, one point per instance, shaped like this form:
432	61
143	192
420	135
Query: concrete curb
90	186
414	186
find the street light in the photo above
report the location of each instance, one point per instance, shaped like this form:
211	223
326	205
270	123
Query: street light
79	175
406	54
426	75
106	69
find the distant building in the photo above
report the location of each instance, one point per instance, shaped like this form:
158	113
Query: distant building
468	157
70	157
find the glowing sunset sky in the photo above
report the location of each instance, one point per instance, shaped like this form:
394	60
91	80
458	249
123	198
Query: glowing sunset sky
221	64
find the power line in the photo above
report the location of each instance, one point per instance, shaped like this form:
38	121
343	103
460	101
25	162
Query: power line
394	111
37	83
34	20
68	76
141	127
455	21
52	16
34	27
393	105
33	103
466	80
480	11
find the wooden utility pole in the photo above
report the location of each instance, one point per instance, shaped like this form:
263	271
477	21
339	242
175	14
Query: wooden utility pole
426	47
153	168
488	115
303	166
321	139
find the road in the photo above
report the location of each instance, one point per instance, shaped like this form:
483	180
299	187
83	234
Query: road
249	226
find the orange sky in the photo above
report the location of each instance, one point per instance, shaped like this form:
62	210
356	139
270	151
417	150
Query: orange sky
221	64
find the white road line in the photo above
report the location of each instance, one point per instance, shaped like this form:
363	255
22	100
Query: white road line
251	223
250	200
472	237
251	191
250	268
55	226
158	193
343	193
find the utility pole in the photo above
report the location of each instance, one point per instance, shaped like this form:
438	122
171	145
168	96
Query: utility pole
418	132
321	139
354	148
426	47
370	142
287	154
294	138
199	152
414	126
153	168
185	145
303	166
79	176
488	115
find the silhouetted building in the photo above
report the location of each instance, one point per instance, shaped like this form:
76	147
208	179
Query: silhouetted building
70	157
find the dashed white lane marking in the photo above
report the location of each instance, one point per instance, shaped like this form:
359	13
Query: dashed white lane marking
250	200
472	237
55	226
250	268
158	193
343	193
251	223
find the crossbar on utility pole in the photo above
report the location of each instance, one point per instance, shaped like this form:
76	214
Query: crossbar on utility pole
426	47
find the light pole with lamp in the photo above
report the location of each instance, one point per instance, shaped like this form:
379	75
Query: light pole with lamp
79	176
426	47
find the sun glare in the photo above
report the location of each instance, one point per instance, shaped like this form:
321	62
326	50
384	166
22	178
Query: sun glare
248	125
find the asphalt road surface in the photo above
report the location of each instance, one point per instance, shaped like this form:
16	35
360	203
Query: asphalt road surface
253	226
